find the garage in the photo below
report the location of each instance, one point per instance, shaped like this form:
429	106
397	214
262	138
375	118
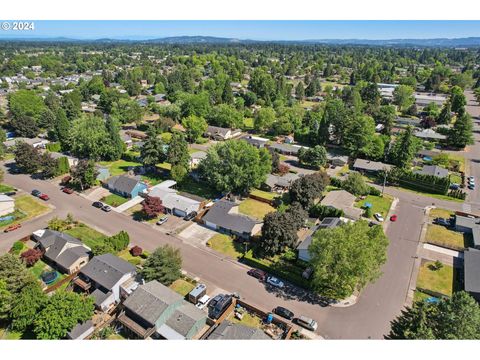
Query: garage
178	212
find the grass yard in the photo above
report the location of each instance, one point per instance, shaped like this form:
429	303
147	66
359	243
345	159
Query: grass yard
442	213
441	281
37	269
225	245
264	194
458	158
182	287
455	178
153	179
118	167
193	187
134	260
86	234
248	319
380	204
436	196
27	207
440	235
420	296
6	188
164	166
255	208
114	200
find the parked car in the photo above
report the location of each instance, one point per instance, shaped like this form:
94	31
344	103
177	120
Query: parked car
257	273
203	302
67	190
471	186
393	218
97	204
379	217
190	216
272	280
13	227
442	221
307	323
44	197
454	186
36	193
10	193
283	312
162	220
106	208
471	178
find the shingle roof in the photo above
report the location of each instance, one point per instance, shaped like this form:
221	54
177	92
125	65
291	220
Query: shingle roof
184	318
80	329
343	200
287	147
327	223
62	248
100	296
107	270
368	165
433	170
283	181
123	183
471	259
230	331
219	214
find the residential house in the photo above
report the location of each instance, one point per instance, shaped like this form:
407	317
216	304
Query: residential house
173	202
81	331
256	141
471	269
433	170
280	184
408	121
286	149
343	200
66	253
370	166
35	142
108	278
223	216
429	134
469	225
219	133
126	186
228	330
154	310
336	159
72	161
196	157
423	99
126	138
7	205
103	173
327	223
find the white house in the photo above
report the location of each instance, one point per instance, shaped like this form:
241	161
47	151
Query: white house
7	205
175	204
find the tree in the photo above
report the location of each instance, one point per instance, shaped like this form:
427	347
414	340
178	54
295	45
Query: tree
117	147
264	119
136	251
235	166
25	125
454	318
445	116
26	305
195	126
89	138
63	166
347	258
403	151
403	97
457	99
386	116
25	103
359	134
62	312
177	153
61	129
152	206
163	265
315	157
152	151
5	300
355	184
178	172
49	166
119	241
277	233
308	188
27	158
84	174
225	115
263	85
461	134
300	91
31	256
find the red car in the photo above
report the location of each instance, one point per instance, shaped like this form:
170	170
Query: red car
44	197
67	190
393	218
256	273
13	227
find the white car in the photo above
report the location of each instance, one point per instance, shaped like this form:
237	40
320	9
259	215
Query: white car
203	302
272	280
471	178
379	217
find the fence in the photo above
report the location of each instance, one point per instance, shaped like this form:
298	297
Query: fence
261	199
60	283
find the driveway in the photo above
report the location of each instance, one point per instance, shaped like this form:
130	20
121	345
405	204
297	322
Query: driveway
197	234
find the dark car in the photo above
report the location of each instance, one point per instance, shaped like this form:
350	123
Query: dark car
259	274
36	193
67	190
285	313
97	204
190	216
10	193
442	221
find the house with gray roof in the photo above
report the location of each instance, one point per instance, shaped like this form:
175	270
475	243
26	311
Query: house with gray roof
196	157
469	225
173	202
219	133
81	331
471	270
126	186
343	200
327	223
154	310
336	159
230	331
286	149
433	170
429	134
363	165
256	141
224	217
279	183
65	252
108	278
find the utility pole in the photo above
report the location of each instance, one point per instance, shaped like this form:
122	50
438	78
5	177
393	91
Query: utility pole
384	179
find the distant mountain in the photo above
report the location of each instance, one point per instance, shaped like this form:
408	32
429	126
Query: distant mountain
439	42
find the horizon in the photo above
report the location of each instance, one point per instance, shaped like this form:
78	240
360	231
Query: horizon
140	30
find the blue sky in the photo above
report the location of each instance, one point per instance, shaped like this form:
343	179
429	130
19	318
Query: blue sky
257	30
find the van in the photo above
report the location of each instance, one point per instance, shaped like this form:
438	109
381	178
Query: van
307	323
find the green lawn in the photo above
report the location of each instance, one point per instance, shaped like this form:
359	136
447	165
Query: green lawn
134	260
460	159
255	208
38	268
248	319
440	235
114	200
164	166
153	179
182	287
264	194
380	204
27	207
420	296
225	245
118	167
441	281
86	234
193	187
455	178
438	212
6	188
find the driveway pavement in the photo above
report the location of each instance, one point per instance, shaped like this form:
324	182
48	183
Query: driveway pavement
197	234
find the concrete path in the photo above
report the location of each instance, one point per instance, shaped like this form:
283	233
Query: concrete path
130	203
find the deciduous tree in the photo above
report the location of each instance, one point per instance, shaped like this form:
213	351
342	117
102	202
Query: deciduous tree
163	265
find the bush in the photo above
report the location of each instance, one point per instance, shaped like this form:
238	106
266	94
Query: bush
374	191
31	256
321	212
53	147
334	181
17	246
368	212
457	194
136	251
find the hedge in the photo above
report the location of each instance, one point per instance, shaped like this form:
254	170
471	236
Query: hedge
321	212
421	182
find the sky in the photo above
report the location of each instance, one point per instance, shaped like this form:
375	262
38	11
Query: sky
251	29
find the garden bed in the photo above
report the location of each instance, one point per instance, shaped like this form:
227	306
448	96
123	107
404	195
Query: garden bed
182	287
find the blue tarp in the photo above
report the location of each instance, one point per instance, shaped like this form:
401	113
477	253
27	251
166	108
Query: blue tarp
427	158
367	205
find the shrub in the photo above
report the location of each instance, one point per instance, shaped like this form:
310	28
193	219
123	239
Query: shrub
321	212
31	256
53	147
374	191
368	212
136	251
17	246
